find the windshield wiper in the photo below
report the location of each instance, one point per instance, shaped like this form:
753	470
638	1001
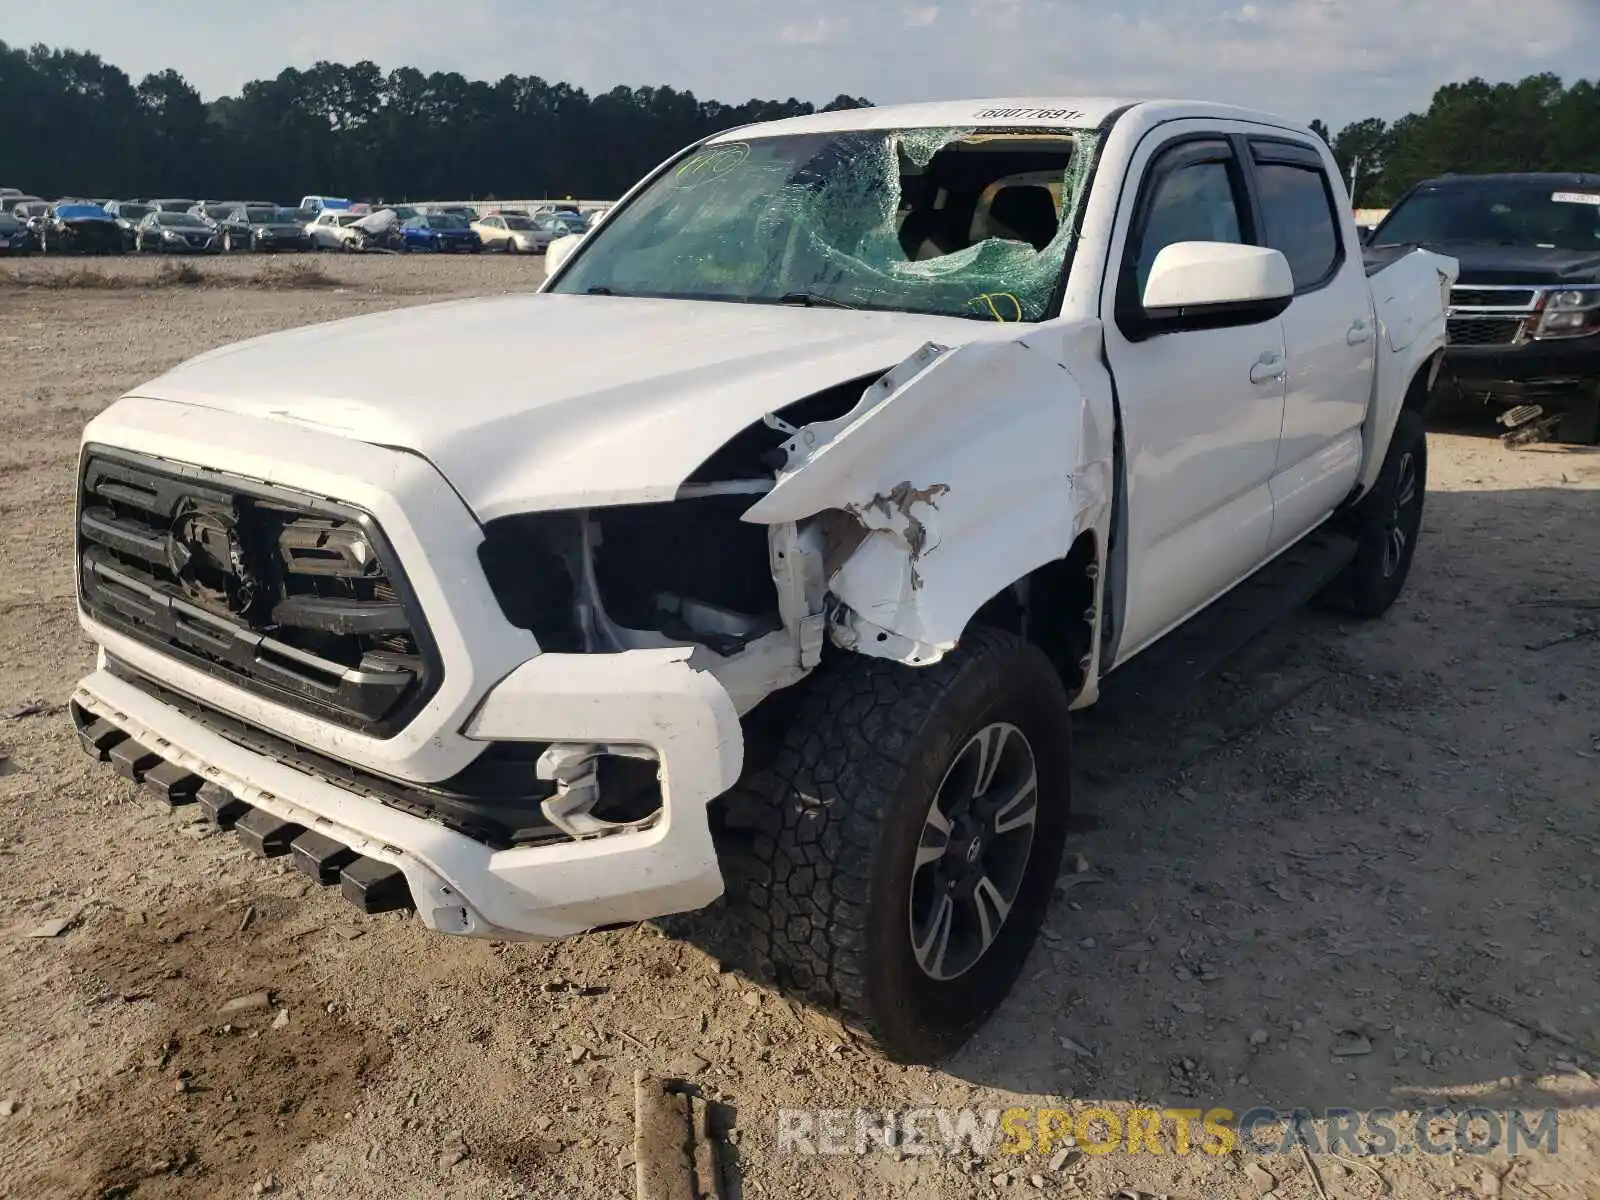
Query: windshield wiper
813	300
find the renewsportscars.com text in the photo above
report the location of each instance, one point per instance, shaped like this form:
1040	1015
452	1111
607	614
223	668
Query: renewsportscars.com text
1098	1130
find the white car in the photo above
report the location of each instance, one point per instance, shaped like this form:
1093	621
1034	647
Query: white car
764	553
335	229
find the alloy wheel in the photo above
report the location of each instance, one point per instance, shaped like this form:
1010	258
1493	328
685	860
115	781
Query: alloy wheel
973	853
1398	528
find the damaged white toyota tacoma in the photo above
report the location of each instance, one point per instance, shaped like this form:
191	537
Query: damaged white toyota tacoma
762	554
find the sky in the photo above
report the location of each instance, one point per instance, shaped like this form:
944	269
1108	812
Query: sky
1339	60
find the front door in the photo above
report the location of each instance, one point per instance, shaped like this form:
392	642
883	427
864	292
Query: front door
1201	409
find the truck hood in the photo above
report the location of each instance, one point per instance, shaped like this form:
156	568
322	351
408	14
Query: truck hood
543	401
1524	265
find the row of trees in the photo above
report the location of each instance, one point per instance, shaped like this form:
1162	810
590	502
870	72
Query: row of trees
76	124
1539	124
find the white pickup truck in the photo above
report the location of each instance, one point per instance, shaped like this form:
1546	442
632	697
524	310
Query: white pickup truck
763	553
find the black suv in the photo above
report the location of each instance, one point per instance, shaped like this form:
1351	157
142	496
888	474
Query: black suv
263	229
1524	327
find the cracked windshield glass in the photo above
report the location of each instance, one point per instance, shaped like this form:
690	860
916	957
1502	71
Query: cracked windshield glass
958	222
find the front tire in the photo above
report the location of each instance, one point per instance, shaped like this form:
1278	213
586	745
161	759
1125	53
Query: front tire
1580	423
1386	523
895	860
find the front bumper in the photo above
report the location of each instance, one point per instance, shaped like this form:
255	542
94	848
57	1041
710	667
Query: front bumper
1515	373
385	859
282	242
497	688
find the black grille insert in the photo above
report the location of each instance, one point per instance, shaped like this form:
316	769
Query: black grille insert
1471	297
1483	331
293	597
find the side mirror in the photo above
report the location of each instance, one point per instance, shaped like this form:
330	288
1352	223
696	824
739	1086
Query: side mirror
1214	284
559	251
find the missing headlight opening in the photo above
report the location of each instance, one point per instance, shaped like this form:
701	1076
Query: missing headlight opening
692	571
609	579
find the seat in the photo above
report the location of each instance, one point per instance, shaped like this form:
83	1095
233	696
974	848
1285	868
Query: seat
1024	213
926	233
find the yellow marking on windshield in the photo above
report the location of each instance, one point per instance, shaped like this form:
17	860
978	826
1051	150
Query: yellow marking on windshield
987	302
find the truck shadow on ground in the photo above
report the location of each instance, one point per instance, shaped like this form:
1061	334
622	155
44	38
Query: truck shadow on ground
1356	869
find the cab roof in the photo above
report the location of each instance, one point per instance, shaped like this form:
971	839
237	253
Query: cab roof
1043	112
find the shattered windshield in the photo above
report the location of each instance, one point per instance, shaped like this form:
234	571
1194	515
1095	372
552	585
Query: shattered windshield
958	222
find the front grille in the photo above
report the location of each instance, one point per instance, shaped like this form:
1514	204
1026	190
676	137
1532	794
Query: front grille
292	597
1471	297
1483	331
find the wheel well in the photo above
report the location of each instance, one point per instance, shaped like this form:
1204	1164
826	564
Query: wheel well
1417	394
1053	607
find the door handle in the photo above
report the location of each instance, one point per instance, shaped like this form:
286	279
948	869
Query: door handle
1358	333
1268	369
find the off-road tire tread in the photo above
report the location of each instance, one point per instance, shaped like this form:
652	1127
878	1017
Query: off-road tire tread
1359	590
798	866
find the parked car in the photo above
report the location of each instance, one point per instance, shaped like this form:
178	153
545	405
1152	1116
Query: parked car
1525	312
560	224
439	232
161	232
465	211
511	232
262	230
172	204
548	227
127	214
215	212
767	557
14	236
318	203
11	203
77	229
334	229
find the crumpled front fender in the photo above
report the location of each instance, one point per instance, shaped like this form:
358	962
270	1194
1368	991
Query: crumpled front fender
958	472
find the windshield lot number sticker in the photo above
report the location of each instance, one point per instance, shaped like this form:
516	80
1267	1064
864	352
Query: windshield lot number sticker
1577	198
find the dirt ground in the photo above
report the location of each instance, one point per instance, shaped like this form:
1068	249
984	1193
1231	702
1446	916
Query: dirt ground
1361	870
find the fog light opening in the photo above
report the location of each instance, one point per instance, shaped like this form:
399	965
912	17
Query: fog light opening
601	789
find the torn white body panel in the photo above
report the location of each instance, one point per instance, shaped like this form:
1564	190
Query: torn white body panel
1411	296
963	470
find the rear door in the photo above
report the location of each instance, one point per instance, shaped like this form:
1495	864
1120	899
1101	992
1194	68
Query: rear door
1329	331
1201	408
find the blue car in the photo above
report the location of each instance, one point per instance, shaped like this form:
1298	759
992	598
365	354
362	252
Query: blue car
440	232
